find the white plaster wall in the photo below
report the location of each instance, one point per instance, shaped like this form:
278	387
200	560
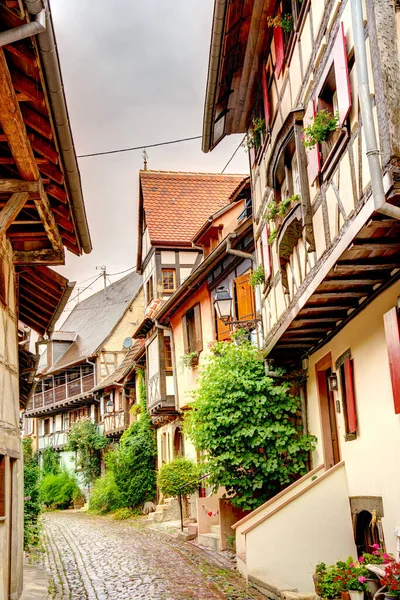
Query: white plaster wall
372	460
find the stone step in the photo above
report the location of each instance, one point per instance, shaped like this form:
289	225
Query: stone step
215	529
277	590
211	540
193	528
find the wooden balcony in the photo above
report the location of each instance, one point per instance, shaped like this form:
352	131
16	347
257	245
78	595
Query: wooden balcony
114	423
62	392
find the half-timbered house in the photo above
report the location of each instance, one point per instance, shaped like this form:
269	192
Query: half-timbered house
327	232
41	214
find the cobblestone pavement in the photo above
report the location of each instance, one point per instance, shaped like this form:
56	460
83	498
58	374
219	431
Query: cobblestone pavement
94	558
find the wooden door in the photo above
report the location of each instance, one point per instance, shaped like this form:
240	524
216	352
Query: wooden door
330	438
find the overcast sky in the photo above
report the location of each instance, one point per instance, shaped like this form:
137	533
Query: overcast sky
134	74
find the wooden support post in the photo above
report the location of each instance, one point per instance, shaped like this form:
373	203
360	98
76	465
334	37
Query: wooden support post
49	223
38	257
18	185
11	210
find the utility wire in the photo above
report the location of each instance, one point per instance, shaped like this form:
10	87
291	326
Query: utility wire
196	137
233	156
121	272
84	289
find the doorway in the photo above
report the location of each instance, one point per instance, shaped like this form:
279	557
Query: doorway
327	406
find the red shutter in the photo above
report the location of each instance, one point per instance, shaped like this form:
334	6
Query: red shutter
267	110
279	50
392	331
350	396
342	75
313	156
266	253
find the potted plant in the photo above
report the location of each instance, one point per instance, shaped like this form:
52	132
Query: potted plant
391	580
322	128
257	277
330	587
285	21
320	570
376	557
191	359
272	236
255	134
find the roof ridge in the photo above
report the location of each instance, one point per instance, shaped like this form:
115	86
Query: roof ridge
160	172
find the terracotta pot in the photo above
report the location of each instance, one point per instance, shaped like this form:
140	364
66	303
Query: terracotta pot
317	584
330	143
373	586
345	595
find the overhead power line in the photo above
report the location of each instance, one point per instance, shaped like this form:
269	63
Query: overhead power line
196	137
84	289
233	156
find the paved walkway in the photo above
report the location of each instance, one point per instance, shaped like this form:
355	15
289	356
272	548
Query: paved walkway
35	583
94	558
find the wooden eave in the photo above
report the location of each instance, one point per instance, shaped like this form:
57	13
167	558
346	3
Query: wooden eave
369	265
245	41
31	162
42	295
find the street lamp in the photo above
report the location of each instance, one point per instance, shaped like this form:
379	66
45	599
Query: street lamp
109	406
223	304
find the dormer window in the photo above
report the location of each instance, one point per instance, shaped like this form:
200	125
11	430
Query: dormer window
168	280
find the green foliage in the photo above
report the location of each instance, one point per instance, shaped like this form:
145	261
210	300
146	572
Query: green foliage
319	128
257	277
249	428
105	496
133	460
190	360
87	442
272	211
284	205
256	132
50	462
272	236
32	508
285	21
178	478
58	491
125	513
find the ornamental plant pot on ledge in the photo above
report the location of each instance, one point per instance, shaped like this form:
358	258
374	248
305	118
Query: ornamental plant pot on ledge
279	218
356	595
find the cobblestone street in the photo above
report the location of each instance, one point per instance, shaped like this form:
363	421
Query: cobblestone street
95	558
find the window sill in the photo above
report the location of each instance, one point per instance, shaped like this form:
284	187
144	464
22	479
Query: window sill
3	519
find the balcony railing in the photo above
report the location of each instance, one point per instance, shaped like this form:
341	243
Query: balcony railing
63	392
114	422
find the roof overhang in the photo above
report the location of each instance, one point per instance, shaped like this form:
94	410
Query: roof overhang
42	296
239	39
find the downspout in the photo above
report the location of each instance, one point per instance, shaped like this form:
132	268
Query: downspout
364	93
27	30
169	329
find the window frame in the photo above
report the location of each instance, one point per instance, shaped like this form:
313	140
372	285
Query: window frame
345	372
172	270
192	330
149	290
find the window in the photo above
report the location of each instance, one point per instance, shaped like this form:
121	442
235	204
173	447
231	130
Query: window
48	384
334	96
286	175
2	485
167	354
46	427
192	333
149	290
87	370
168	280
345	365
73	374
59	379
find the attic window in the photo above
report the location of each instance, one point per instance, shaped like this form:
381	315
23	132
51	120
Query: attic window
168	280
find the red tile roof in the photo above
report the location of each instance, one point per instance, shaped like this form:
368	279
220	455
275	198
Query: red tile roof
177	204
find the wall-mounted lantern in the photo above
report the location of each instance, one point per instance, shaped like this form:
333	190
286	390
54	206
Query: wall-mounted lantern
333	383
109	406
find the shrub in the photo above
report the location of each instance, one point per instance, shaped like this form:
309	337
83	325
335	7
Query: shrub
50	462
133	460
32	508
105	496
124	513
249	427
87	442
178	478
58	491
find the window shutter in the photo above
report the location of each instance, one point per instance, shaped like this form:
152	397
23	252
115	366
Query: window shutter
186	347
266	253
350	396
267	109
224	332
245	298
342	75
279	50
313	156
198	336
392	331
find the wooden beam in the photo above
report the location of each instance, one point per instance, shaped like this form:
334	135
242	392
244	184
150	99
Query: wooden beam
13	125
339	293
367	265
318	320
12	210
325	307
374	244
9	160
18	185
37	122
28	87
354	281
38	257
382	223
49	223
21	51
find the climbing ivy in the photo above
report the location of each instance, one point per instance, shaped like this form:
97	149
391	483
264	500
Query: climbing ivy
248	426
32	507
85	439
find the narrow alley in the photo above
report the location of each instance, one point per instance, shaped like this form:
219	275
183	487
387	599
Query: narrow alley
94	558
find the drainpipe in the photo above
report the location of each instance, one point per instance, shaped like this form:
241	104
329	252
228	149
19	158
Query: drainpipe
23	31
229	249
371	143
94	370
165	328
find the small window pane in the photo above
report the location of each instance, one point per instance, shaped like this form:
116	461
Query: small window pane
168	280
